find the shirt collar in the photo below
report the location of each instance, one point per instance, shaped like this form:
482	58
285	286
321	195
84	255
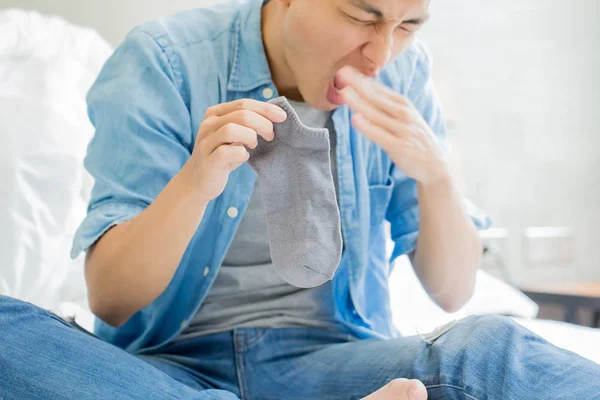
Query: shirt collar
250	68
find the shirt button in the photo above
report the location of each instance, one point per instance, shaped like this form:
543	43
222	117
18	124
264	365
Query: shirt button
232	212
267	93
206	271
183	324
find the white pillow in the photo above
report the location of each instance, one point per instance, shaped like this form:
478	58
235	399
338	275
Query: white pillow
46	68
414	312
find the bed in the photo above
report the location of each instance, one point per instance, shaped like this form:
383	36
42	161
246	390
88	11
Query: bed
46	67
414	313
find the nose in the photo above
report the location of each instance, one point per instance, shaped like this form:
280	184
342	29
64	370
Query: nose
378	50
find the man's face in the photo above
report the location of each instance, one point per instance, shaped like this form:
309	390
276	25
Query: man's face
322	36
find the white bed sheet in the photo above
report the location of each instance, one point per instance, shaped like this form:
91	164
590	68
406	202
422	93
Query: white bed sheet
415	313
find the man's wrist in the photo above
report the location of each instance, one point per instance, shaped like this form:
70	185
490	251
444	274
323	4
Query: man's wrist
190	182
441	180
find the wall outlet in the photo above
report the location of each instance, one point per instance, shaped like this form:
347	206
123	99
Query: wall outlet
496	245
549	246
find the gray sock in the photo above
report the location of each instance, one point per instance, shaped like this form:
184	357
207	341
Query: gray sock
303	218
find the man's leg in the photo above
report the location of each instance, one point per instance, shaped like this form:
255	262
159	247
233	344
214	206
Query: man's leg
484	357
41	357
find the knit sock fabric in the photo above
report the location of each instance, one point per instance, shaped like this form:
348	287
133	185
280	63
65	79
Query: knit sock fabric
298	191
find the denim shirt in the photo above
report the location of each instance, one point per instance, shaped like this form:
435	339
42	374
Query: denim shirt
147	105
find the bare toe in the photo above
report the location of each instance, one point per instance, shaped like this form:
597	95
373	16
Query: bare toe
400	389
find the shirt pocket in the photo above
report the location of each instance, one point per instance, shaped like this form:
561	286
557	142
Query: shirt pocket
379	199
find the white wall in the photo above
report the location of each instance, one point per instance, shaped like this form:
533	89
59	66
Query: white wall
101	15
521	80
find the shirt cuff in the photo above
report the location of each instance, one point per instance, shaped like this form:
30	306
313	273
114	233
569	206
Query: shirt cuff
99	220
406	241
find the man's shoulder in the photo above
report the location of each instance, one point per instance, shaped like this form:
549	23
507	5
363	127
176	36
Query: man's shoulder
196	26
418	52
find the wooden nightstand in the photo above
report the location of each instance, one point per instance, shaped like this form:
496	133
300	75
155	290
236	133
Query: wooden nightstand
569	295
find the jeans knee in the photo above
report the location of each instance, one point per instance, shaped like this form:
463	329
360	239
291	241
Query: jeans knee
488	334
15	312
476	344
493	326
492	335
11	305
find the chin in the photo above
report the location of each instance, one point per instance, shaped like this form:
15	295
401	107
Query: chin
321	102
327	106
320	98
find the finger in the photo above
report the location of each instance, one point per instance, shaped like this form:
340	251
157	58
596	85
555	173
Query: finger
233	167
381	95
227	155
363	106
270	111
232	134
246	118
375	133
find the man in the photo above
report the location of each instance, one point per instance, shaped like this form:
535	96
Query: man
179	266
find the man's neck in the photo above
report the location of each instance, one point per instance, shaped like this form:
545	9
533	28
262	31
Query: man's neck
272	28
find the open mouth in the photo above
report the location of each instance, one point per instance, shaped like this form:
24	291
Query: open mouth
334	96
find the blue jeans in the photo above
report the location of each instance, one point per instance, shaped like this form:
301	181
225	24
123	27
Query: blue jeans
484	357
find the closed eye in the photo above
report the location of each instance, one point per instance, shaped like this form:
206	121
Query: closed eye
360	21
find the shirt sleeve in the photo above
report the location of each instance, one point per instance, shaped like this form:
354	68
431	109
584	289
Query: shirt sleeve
403	210
143	134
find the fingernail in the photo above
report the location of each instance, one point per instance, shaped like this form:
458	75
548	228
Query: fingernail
413	394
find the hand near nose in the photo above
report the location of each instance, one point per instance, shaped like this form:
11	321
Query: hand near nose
392	122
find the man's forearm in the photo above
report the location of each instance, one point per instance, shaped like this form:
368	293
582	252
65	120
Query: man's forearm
133	263
448	250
